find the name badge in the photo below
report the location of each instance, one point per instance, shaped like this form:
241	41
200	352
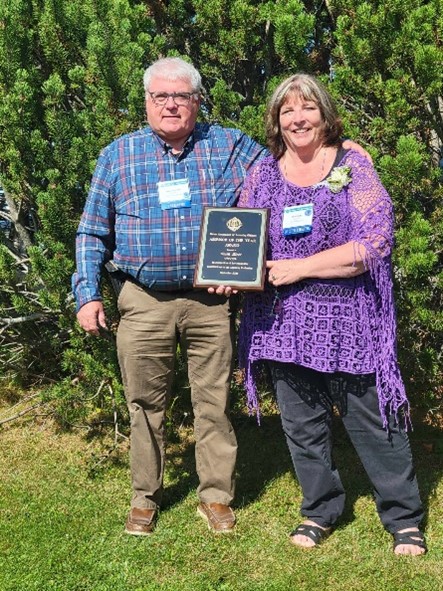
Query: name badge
297	219
174	194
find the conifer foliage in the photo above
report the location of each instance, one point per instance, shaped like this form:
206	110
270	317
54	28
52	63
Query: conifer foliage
71	81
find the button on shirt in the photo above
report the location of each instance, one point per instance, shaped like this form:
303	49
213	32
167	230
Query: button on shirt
122	219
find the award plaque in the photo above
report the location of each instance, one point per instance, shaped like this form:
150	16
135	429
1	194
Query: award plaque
232	248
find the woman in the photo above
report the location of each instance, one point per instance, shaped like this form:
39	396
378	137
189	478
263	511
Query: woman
325	323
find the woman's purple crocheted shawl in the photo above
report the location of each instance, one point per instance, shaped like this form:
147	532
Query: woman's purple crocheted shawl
334	325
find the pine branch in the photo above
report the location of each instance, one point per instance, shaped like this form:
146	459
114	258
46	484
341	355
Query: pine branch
22	413
20	319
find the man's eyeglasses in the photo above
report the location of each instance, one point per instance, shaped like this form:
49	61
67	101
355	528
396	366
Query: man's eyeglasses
181	99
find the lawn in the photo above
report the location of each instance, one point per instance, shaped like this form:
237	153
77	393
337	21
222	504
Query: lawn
61	525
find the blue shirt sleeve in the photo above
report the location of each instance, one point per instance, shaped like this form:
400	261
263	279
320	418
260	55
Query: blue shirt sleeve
95	234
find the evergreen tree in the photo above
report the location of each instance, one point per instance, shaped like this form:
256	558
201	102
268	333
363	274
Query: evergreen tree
71	81
70	76
388	74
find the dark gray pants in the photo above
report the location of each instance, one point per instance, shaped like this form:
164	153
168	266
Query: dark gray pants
306	399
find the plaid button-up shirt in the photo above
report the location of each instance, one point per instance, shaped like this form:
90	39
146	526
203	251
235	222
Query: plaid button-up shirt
123	221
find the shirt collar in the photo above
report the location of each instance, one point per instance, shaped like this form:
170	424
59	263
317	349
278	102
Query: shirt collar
187	147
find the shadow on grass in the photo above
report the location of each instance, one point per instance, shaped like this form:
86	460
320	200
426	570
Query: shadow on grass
263	457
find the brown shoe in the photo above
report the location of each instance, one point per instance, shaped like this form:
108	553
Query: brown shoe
140	522
220	518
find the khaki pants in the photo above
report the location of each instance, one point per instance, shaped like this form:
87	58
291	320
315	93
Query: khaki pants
151	322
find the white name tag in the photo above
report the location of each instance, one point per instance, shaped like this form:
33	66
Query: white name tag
297	219
173	194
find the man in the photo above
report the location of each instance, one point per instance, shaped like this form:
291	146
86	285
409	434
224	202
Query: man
143	214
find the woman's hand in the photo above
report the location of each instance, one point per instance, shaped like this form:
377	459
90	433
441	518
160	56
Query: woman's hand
286	271
340	262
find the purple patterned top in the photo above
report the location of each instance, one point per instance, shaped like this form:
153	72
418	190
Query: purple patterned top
329	325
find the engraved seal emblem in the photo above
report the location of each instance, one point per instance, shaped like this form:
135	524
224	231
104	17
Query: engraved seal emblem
234	224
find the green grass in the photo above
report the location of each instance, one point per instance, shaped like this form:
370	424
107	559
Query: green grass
61	529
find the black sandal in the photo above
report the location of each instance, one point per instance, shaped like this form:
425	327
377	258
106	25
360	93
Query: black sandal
313	532
412	538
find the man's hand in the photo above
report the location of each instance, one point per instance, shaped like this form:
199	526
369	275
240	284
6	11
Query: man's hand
91	318
223	290
350	145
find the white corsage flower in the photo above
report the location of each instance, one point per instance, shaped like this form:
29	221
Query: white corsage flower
340	177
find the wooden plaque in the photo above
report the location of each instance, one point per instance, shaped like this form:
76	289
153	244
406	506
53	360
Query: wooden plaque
232	249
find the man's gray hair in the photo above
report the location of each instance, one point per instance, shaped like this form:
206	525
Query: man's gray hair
173	68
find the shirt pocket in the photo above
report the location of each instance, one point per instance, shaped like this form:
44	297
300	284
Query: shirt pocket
216	184
134	215
136	205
